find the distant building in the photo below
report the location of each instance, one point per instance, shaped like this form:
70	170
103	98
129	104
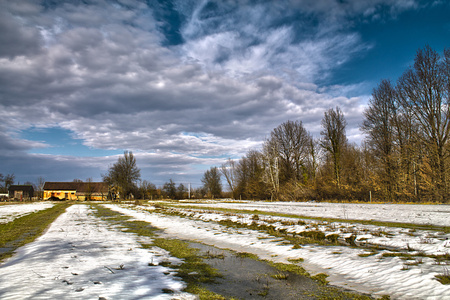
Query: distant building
21	192
75	191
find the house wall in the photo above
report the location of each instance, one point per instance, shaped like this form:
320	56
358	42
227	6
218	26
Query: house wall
94	196
72	195
68	195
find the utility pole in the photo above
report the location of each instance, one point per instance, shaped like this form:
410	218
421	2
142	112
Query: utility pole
189	191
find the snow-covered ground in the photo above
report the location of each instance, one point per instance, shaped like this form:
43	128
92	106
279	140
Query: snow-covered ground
9	212
403	213
395	238
377	274
83	257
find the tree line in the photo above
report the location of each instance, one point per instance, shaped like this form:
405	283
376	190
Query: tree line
404	157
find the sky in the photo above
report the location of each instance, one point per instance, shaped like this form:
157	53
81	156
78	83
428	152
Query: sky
187	84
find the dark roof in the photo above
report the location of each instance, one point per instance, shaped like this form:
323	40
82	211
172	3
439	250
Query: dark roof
24	187
61	186
80	187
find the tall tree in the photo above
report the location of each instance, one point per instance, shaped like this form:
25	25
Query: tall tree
251	176
181	191
292	142
40	187
334	139
8	181
89	189
425	91
124	174
170	189
2	179
380	119
229	171
271	168
211	182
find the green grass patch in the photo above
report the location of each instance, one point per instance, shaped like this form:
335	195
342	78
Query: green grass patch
397	254
26	229
296	260
296	269
247	255
321	278
280	276
444	279
193	270
367	254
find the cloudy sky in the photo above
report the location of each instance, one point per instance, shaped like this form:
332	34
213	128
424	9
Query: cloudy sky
186	84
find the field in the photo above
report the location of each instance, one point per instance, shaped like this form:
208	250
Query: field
128	251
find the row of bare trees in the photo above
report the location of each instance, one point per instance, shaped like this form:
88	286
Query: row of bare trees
408	129
292	165
405	155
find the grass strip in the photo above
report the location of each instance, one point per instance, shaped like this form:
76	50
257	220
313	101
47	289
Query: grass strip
193	270
26	229
445	229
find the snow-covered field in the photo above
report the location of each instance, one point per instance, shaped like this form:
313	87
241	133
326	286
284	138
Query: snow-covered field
82	257
403	213
9	212
377	273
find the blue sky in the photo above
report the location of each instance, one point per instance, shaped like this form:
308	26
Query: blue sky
185	85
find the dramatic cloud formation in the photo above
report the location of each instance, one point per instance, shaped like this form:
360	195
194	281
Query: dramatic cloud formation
182	84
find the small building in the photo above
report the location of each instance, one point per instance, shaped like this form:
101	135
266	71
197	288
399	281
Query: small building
21	192
75	191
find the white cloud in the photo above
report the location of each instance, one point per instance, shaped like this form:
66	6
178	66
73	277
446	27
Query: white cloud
103	72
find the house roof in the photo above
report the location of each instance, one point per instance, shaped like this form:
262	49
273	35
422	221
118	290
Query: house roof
79	187
25	187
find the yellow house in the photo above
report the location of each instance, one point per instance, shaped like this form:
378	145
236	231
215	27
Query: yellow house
75	191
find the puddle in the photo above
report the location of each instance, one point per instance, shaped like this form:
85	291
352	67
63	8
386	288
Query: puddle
245	278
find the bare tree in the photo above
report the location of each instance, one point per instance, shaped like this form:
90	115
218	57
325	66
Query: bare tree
292	142
251	176
89	189
229	171
182	191
425	90
124	174
211	182
334	139
7	180
380	126
271	168
170	189
40	187
313	158
147	189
